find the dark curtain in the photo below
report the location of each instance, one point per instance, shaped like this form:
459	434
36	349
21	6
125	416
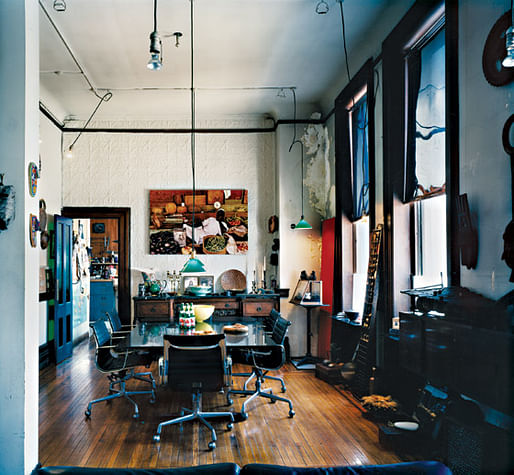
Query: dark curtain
360	160
344	181
413	81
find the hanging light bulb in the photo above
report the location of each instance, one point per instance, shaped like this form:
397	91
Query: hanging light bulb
193	264
322	8
155	62
106	97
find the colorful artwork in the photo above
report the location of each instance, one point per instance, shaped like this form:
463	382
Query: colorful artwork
33	176
221	221
34	228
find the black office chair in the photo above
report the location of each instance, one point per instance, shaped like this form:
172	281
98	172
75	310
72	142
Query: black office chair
115	322
276	326
263	359
196	364
119	364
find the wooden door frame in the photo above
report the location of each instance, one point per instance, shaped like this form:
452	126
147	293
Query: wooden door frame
123	215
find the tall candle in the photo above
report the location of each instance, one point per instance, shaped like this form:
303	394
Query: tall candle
264	265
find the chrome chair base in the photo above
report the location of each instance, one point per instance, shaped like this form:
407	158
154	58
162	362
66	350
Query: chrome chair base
250	377
120	381
196	413
259	391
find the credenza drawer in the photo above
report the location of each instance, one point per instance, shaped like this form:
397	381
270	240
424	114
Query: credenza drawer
259	307
154	310
222	304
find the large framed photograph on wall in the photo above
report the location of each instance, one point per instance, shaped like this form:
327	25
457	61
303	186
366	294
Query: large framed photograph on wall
221	221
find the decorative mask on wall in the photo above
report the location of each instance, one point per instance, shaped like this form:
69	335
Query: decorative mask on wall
7	204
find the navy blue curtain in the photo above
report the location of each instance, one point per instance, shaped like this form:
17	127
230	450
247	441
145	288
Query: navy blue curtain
360	159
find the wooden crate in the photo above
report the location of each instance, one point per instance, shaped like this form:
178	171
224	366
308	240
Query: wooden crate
331	372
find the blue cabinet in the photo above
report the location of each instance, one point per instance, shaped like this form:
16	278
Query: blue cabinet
102	298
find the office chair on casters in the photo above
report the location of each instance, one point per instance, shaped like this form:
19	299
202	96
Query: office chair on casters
119	364
263	359
277	327
196	364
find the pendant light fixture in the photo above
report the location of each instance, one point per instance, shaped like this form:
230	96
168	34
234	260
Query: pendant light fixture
106	97
155	62
508	61
193	264
302	224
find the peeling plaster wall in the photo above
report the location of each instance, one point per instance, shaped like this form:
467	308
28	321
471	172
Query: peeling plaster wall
299	250
110	169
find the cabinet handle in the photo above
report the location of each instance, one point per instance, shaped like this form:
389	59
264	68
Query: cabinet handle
227	305
152	309
259	309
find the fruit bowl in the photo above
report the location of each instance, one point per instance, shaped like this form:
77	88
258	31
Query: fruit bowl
203	312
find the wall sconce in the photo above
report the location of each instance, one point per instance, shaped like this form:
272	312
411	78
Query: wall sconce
59	5
508	61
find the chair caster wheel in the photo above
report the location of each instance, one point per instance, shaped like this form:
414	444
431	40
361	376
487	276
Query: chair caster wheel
229	426
291	413
156	438
135	415
87	414
152	400
272	401
230	402
244	416
283	390
212	445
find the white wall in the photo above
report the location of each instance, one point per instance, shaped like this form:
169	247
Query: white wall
19	94
50	185
485	167
120	169
299	249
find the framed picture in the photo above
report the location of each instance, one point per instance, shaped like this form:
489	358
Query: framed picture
221	221
206	281
189	281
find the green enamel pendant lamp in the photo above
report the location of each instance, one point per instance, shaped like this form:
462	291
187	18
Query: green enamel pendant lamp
193	264
302	224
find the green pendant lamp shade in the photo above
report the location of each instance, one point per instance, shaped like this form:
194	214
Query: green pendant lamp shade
302	224
193	264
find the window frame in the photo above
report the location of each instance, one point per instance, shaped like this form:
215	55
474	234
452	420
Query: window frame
343	254
418	21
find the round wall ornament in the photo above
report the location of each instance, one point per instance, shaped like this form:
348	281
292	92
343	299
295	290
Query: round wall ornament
33	176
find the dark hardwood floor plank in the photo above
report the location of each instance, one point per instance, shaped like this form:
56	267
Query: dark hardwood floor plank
328	428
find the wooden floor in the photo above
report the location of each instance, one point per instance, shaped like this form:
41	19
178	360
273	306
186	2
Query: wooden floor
328	428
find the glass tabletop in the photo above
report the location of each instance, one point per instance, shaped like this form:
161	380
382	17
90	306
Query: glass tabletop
148	335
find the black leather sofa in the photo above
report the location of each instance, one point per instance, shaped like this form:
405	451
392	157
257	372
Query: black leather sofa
407	468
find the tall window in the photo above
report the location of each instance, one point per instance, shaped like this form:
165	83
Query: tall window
354	188
426	152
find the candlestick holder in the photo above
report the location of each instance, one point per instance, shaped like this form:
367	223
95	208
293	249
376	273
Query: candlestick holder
254	287
263	279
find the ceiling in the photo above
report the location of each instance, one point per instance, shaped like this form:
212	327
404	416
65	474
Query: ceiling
244	52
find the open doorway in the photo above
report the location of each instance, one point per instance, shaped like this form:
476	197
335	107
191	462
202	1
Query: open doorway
109	258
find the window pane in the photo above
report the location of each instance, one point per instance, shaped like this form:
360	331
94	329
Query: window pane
430	117
431	242
359	123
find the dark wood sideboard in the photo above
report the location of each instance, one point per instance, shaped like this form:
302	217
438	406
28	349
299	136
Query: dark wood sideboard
164	308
